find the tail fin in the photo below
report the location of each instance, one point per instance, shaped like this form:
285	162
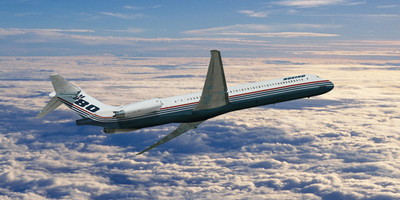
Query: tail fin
76	99
62	86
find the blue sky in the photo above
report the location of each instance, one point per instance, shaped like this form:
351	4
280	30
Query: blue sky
186	28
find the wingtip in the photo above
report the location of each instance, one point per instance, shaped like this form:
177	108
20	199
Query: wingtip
55	74
147	149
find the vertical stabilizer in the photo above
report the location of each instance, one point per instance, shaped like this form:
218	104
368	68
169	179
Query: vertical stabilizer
62	86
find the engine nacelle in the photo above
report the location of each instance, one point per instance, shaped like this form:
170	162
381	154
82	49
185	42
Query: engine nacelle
139	108
116	130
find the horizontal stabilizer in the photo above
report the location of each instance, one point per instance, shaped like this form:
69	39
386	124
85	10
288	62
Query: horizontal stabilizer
53	104
177	132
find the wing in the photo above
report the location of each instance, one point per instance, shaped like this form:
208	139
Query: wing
215	92
177	132
214	95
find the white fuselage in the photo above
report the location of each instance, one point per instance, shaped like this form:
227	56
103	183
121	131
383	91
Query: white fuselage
240	90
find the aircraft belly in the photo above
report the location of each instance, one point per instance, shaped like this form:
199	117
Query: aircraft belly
175	117
238	103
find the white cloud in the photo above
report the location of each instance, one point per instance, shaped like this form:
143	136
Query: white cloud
240	39
132	7
49	36
140	7
251	13
312	26
123	16
353	53
17	31
130	30
233	28
316	3
284	34
387	6
264	30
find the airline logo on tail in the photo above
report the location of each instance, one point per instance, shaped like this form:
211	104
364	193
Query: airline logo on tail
84	104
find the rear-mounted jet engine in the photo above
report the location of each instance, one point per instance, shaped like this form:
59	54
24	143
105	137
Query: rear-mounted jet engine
138	109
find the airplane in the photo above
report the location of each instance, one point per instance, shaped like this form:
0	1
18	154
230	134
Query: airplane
190	109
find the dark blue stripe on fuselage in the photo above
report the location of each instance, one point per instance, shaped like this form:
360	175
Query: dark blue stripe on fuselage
185	113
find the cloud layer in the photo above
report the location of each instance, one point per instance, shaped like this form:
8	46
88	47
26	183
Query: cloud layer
342	145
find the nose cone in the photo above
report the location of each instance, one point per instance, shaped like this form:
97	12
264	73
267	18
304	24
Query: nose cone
326	87
329	86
